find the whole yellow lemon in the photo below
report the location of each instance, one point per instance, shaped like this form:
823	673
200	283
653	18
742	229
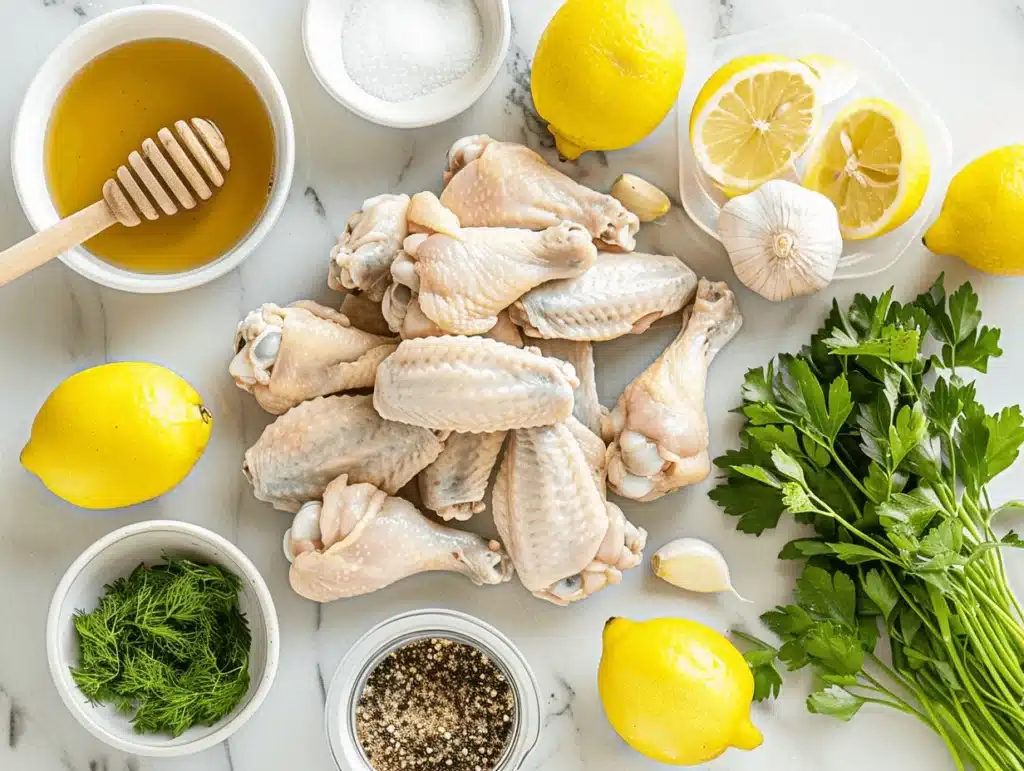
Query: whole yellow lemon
675	690
117	435
607	72
982	217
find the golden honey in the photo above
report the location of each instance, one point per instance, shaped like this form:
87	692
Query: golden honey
126	95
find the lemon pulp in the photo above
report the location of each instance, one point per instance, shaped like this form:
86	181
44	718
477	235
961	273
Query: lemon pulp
873	165
752	119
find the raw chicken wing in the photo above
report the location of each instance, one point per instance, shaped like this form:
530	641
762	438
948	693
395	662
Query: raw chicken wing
586	407
621	294
288	355
464	282
503	184
472	385
316	442
659	423
360	539
566	541
454	485
374	234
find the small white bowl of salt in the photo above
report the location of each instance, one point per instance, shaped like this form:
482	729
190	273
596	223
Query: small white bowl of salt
406	63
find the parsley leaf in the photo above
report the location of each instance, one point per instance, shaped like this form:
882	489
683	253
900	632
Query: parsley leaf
1005	437
828	596
1012	539
758	507
909	430
881	590
835	648
834	702
787	466
854	553
900	346
761	660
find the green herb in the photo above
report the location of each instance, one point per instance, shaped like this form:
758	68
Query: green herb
872	436
168	643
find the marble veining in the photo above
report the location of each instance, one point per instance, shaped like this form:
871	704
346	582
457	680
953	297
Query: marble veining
53	323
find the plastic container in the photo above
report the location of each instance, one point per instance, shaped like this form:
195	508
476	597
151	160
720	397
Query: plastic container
354	669
797	37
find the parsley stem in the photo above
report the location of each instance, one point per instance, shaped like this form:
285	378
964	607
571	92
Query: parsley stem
939	726
982	595
827	511
968	682
876	686
995	664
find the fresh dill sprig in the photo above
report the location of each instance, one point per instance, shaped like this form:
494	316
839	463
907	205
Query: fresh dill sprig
169	643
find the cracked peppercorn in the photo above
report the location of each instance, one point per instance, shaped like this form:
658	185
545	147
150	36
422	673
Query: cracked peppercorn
435	703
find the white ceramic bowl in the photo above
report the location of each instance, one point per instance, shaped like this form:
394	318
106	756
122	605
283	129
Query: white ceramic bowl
321	34
86	43
116	555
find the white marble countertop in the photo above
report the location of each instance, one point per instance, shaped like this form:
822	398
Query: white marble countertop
966	58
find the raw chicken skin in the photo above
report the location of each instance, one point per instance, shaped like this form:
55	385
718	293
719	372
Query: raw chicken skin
503	184
659	423
365	314
472	385
620	294
374	234
454	485
288	355
369	540
464	282
586	407
316	442
566	541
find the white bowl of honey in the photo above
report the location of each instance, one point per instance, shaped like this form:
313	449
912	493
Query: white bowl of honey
114	82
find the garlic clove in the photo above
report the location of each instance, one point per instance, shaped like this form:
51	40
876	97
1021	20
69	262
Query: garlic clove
642	198
694	565
783	240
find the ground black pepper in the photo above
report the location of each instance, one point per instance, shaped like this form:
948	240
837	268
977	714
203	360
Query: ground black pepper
435	703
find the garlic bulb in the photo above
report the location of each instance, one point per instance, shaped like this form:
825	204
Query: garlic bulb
783	239
694	565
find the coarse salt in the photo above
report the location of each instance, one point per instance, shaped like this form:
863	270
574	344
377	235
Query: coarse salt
398	50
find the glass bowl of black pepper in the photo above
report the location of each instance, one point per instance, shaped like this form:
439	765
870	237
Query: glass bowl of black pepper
433	690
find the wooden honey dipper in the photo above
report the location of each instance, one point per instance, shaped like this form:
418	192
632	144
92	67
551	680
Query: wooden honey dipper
169	184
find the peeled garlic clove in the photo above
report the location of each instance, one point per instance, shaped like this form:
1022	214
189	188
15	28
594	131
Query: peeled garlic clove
641	197
783	240
694	565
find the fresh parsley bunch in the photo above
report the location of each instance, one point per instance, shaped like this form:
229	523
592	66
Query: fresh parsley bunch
872	436
169	643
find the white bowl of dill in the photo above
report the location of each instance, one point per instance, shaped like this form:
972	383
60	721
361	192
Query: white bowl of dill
162	639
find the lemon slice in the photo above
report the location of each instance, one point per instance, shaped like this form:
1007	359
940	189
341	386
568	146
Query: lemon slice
873	164
835	78
752	119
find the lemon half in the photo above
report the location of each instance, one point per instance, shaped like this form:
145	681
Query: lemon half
873	164
753	118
